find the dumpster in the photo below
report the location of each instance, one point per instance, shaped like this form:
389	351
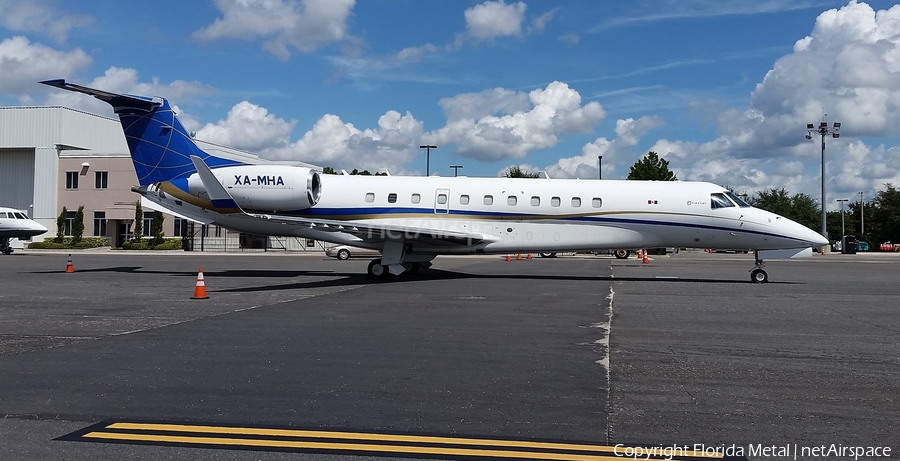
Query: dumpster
848	245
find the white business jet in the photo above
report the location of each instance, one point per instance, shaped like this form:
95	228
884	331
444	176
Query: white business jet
411	220
15	224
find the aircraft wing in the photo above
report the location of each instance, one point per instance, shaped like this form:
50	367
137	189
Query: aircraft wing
370	232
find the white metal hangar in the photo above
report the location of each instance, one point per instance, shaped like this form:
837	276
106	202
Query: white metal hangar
55	157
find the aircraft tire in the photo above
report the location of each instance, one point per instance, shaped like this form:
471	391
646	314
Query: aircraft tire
343	255
622	254
759	276
376	270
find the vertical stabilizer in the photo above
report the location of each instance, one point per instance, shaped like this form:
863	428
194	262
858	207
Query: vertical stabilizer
161	148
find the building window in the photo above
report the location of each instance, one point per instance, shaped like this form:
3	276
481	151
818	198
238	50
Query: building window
535	201
463	199
204	230
488	199
596	202
370	197
511	200
148	223
70	222
180	227
218	231
576	202
392	198
416	198
99	224
71	180
101	179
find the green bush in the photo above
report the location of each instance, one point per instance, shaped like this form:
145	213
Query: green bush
90	242
169	244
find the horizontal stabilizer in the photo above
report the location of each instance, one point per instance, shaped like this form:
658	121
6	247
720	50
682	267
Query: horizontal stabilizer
119	102
219	197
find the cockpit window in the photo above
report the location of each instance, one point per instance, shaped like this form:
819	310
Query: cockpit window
737	199
719	201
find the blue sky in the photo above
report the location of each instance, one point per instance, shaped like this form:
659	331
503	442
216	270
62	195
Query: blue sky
722	89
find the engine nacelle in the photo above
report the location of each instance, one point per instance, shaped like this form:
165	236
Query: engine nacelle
270	188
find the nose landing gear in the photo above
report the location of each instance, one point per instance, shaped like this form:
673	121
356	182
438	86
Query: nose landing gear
758	274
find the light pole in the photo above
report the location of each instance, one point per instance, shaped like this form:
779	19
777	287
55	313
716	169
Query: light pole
600	167
455	170
842	200
862	216
823	130
428	157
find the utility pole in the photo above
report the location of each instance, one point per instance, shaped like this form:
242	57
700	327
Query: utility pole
842	200
455	170
427	158
862	216
835	133
600	167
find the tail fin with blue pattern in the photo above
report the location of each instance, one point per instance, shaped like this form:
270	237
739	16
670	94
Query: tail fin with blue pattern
161	148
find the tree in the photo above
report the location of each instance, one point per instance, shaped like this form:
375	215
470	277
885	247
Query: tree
884	225
329	170
516	171
651	168
138	222
799	207
61	226
78	226
158	233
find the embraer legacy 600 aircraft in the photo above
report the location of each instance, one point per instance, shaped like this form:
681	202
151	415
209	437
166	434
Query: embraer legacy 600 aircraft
411	220
15	224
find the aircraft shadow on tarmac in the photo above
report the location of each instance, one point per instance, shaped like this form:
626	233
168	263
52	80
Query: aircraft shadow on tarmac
355	278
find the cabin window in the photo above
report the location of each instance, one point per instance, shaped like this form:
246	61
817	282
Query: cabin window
554	201
719	201
416	198
488	199
442	199
370	197
511	200
392	198
463	199
535	201
596	202
576	202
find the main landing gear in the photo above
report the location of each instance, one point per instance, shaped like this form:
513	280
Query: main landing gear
758	274
378	271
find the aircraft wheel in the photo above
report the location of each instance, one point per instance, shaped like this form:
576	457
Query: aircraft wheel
376	270
759	276
343	255
548	255
622	254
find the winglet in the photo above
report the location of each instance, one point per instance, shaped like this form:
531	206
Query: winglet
219	197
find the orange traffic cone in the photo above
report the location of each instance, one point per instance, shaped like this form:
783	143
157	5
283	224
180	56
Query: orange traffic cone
529	256
646	259
823	251
507	257
640	254
69	266
519	257
200	288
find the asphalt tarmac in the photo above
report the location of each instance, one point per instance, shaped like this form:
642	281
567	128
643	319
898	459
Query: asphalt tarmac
291	353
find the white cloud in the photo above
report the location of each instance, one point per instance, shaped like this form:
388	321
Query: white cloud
490	20
305	26
249	127
628	133
23	64
40	17
415	53
499	124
